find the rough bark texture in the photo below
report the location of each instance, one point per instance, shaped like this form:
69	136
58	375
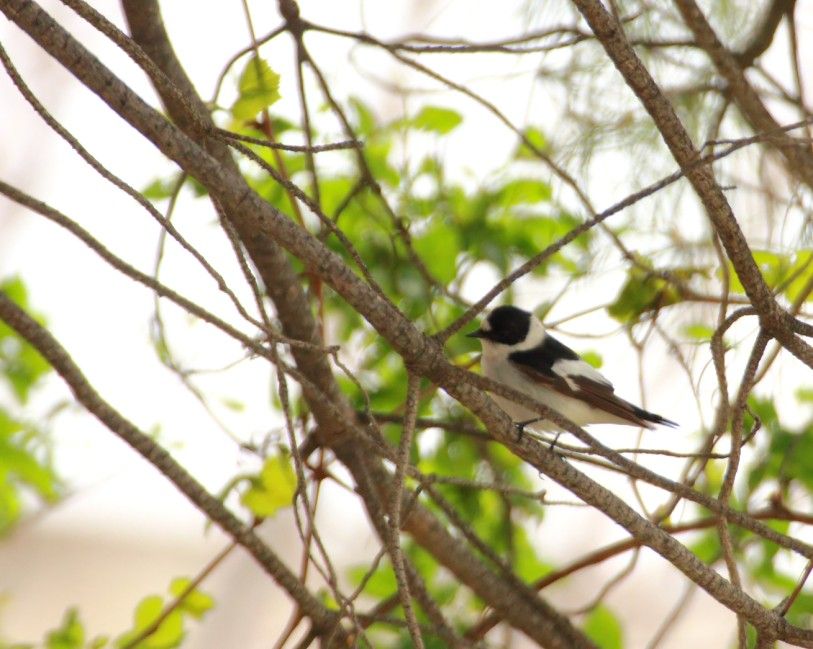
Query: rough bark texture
267	234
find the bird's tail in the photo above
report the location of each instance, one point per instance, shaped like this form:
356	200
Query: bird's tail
652	417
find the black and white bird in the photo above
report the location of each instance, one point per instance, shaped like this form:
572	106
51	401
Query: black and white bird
518	352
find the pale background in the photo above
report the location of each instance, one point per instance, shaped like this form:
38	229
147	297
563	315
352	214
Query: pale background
124	532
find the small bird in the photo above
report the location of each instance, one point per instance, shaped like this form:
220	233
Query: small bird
518	352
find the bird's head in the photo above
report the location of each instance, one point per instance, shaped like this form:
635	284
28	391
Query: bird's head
507	325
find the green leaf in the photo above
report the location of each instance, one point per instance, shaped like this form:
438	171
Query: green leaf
438	248
437	120
378	151
273	489
522	191
381	584
804	395
20	363
160	188
698	331
366	121
25	464
707	547
799	276
195	602
604	629
526	562
26	468
593	358
71	635
258	88
537	140
234	404
788	272
643	292
169	633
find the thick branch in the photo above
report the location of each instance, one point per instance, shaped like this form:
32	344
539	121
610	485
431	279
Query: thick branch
259	225
763	36
188	110
421	354
638	78
799	158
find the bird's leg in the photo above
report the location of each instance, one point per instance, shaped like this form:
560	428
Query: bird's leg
553	443
520	426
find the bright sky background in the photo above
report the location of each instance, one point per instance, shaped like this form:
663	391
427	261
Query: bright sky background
124	531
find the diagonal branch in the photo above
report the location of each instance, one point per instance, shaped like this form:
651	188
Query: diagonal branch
611	35
422	355
799	159
261	228
210	506
764	35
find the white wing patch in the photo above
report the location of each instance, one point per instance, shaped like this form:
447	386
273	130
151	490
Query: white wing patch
569	369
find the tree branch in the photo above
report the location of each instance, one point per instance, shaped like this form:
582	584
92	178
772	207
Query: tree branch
640	81
799	159
211	507
422	355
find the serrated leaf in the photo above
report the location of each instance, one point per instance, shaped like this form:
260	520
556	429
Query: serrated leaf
437	120
273	489
604	628
258	87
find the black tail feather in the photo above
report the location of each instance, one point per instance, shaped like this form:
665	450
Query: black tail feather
652	417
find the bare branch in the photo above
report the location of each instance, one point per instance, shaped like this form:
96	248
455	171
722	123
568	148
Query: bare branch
210	506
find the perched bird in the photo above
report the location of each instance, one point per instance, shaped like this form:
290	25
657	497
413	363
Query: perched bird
518	352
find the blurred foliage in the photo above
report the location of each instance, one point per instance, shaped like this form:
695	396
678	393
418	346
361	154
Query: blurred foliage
26	469
603	628
273	488
788	459
171	630
20	364
787	274
423	232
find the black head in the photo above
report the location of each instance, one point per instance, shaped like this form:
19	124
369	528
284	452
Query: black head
505	324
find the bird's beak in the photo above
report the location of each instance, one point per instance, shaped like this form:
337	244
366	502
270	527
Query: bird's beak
477	333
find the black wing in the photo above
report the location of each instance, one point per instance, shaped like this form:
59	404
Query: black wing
557	367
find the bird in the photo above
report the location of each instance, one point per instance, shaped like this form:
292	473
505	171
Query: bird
518	352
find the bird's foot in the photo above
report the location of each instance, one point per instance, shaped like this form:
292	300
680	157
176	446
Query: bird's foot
553	443
520	426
